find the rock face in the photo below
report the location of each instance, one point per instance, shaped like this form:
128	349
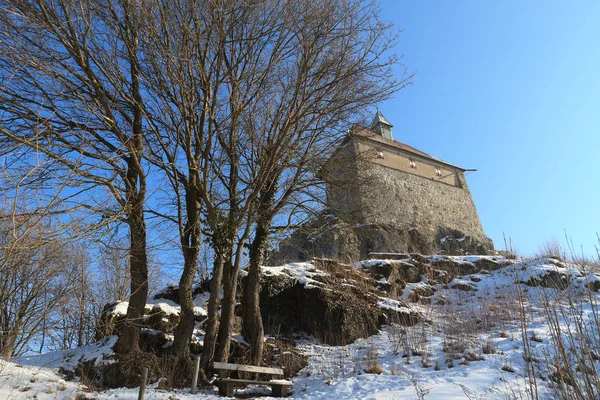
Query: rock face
332	238
155	319
556	279
331	308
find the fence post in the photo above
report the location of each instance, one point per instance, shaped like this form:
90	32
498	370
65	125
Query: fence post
195	376
143	385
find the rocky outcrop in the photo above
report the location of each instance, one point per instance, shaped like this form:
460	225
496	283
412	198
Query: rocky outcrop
330	237
556	279
331	310
155	319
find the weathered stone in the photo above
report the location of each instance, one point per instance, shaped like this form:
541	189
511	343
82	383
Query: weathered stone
109	323
454	268
396	272
552	279
153	341
158	320
337	311
127	370
487	264
335	317
171	292
437	275
462	285
350	242
593	284
419	258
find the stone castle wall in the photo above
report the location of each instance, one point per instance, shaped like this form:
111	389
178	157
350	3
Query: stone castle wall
380	203
425	204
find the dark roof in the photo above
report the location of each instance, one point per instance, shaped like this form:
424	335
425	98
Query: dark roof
366	133
380	118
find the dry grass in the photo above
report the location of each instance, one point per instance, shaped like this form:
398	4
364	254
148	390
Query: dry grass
376	369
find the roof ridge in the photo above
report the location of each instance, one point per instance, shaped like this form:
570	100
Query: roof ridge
369	134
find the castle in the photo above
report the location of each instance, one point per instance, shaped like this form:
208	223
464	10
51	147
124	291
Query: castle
384	196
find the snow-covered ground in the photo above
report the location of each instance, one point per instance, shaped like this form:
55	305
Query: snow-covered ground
470	346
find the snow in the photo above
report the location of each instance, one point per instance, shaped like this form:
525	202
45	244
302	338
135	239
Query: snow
168	307
69	359
391	304
341	371
303	272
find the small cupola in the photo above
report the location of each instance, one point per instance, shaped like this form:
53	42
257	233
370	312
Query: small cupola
382	126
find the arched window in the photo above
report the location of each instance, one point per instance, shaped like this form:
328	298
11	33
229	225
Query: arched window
438	172
413	164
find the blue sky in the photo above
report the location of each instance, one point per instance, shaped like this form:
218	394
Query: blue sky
511	88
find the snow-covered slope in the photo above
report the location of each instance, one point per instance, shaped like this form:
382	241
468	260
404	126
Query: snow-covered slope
478	334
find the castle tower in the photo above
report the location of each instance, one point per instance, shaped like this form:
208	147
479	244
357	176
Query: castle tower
382	126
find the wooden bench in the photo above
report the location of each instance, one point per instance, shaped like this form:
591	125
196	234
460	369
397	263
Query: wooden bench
279	387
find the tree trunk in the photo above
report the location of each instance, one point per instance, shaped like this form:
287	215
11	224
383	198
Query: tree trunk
190	241
138	263
185	327
252	325
230	277
212	324
135	184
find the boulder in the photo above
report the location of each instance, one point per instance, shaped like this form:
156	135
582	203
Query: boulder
109	322
335	317
465	286
593	283
487	264
335	311
454	268
171	292
395	272
454	242
284	354
554	279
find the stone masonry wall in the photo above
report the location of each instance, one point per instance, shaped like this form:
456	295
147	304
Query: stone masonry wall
377	202
382	189
423	203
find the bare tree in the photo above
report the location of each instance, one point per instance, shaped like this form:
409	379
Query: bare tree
73	324
338	70
245	94
34	280
71	90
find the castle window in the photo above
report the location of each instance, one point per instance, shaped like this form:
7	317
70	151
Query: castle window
379	154
438	172
413	164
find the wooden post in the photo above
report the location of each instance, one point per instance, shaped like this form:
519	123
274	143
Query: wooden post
143	385
195	376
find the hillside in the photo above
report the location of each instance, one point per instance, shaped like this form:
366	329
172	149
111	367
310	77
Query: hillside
433	327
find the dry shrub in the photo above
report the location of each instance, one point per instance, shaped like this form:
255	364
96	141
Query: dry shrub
411	341
376	369
177	373
489	347
507	368
284	354
372	365
551	248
